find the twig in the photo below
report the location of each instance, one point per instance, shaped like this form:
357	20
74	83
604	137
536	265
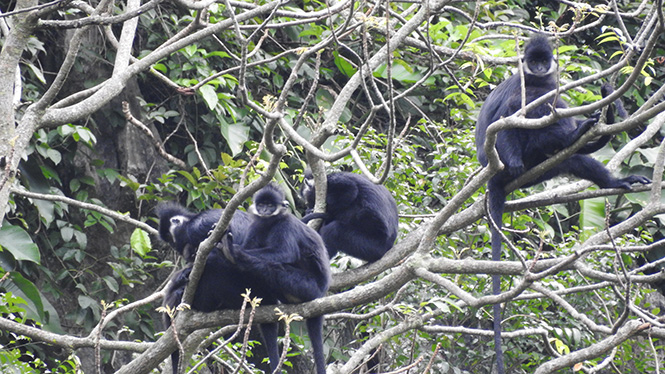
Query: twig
63	199
287	340
98	336
617	258
222	345
656	358
158	145
30	9
408	367
243	352
198	152
431	360
251	163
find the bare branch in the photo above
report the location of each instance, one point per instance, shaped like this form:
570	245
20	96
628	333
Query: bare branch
158	145
79	204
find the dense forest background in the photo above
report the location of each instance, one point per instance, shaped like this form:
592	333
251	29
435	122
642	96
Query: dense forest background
109	107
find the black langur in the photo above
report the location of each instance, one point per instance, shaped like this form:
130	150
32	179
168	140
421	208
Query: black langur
361	217
220	287
523	149
185	230
287	257
222	283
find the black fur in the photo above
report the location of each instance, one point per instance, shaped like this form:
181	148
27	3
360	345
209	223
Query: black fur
361	217
523	149
222	282
190	229
287	257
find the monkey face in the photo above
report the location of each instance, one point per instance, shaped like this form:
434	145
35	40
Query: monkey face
539	67
268	209
175	224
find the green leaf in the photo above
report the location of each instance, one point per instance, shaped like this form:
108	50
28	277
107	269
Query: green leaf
27	290
74	185
40	184
54	155
66	130
38	73
140	242
190	50
343	65
19	244
592	214
50	173
82	238
209	95
217	53
402	72
189	177
88	302
651	154
111	283
67	233
236	135
39	307
160	67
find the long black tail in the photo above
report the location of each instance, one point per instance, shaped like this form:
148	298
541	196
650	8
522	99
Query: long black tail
175	361
312	216
497	199
175	356
269	334
314	330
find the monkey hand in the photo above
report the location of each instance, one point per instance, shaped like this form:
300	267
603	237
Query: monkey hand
186	272
626	183
515	169
212	228
182	278
587	124
189	252
226	246
606	90
236	254
636	179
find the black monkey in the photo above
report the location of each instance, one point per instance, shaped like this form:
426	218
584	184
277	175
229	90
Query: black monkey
523	149
185	230
287	257
222	282
361	217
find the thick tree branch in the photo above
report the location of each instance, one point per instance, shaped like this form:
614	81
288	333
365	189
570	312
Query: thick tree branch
595	350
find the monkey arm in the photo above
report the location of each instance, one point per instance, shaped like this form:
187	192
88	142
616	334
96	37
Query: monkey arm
591	147
256	258
278	246
544	142
293	282
508	145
